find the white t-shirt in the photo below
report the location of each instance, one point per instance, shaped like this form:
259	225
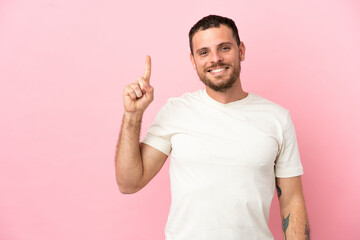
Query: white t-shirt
224	159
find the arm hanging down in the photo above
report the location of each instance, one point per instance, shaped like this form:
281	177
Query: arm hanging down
295	223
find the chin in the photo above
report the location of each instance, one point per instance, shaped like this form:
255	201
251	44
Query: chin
221	87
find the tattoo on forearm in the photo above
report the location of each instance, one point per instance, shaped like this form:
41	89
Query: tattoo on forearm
285	224
278	187
307	231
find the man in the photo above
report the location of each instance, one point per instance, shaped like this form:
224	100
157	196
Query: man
229	148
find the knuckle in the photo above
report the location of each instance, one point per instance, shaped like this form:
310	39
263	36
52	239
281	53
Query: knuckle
127	91
139	80
130	90
135	86
133	96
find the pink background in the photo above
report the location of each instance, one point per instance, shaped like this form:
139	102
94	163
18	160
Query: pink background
63	66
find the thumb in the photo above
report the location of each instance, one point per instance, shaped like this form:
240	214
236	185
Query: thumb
149	92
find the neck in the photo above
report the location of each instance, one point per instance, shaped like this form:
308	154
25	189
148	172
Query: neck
230	95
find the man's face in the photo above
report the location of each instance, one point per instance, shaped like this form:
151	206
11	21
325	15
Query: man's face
217	57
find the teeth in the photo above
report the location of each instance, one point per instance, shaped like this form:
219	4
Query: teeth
218	70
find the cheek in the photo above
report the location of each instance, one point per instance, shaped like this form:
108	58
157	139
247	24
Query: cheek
200	65
236	60
199	69
234	57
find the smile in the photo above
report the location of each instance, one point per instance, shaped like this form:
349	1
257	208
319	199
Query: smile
218	70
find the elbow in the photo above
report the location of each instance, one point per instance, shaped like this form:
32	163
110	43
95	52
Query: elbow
127	185
127	189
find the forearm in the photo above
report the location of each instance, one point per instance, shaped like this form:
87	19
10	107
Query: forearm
128	162
295	223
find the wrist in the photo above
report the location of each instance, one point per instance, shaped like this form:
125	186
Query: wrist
133	116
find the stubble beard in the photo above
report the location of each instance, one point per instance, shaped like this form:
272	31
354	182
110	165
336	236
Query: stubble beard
224	86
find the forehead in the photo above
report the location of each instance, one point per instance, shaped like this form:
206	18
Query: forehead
212	37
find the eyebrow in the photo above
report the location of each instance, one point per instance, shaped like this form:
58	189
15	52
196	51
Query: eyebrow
220	45
225	43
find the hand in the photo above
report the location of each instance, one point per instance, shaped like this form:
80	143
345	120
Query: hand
139	94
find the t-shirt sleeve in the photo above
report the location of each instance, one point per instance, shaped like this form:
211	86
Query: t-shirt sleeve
159	133
288	163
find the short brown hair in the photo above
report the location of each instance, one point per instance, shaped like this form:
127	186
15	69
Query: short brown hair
210	22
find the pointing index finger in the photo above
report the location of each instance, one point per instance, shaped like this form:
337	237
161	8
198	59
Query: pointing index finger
147	72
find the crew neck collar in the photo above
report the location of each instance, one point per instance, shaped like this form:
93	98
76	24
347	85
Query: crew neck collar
226	105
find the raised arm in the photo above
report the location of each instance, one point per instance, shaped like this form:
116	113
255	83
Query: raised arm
295	223
136	164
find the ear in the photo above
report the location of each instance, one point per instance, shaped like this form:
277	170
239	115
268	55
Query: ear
242	49
192	60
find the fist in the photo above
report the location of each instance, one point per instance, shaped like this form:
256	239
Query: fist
139	94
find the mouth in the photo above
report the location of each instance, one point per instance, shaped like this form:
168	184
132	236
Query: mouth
218	70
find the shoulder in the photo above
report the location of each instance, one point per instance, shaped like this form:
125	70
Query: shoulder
176	107
269	108
187	97
185	101
264	102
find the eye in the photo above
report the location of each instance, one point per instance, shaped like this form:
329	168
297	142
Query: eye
224	49
202	53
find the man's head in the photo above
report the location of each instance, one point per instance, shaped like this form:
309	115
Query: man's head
216	52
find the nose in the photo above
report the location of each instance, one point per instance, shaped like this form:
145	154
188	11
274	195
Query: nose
216	57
